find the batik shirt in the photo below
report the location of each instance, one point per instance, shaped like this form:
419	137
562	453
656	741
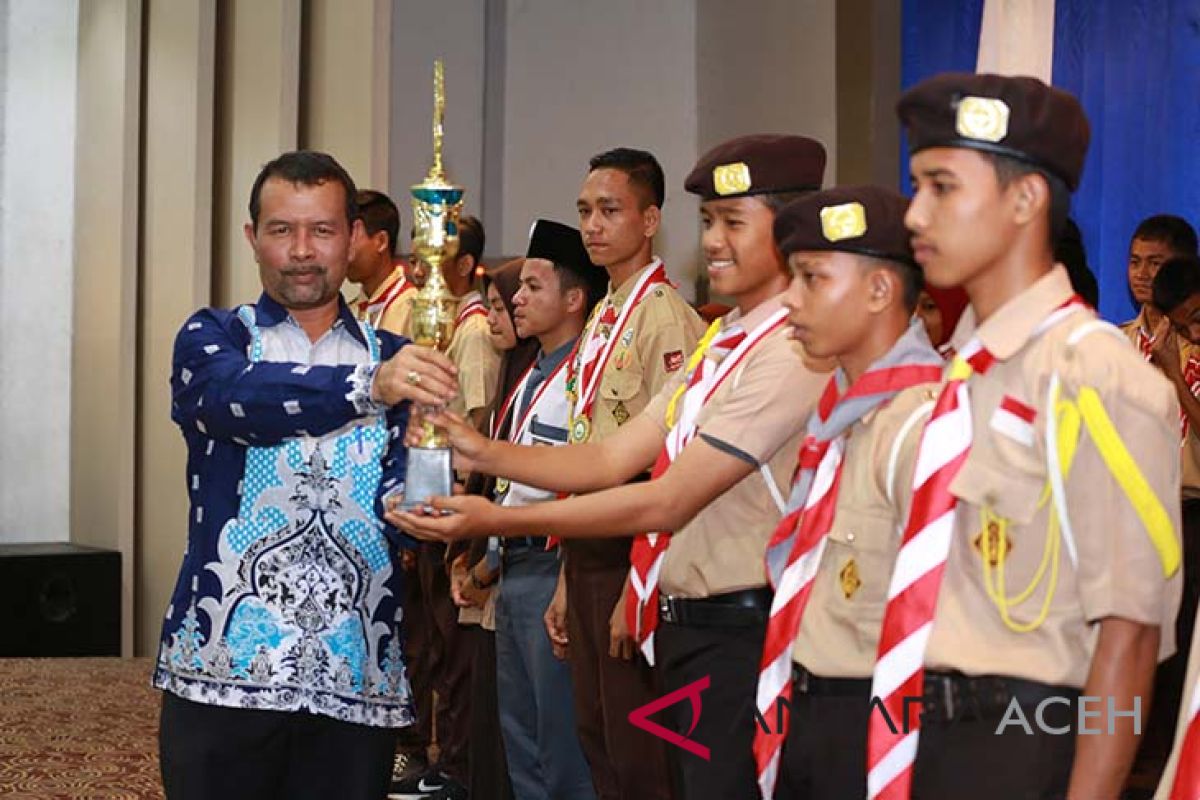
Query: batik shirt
288	597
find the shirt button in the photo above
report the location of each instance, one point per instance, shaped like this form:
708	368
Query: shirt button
849	537
989	499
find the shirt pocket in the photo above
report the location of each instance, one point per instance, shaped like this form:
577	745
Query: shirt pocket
1005	476
621	385
860	553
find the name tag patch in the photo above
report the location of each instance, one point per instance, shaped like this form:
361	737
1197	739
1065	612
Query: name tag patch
1015	420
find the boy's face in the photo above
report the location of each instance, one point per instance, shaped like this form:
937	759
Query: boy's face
1145	257
540	305
739	248
1185	319
612	217
960	217
828	302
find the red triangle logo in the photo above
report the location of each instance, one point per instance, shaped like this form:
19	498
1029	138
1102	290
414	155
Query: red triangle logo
640	717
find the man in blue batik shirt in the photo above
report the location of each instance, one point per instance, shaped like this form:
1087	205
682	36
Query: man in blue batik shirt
281	649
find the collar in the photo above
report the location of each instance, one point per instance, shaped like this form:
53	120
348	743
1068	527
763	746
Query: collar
1014	323
267	313
617	295
757	315
548	362
391	280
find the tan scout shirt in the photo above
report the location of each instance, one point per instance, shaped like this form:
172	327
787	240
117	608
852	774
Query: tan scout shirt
478	364
1189	689
757	414
1119	571
394	318
1189	454
654	344
839	634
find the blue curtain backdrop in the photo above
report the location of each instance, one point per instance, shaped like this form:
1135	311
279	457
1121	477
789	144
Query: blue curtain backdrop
1135	65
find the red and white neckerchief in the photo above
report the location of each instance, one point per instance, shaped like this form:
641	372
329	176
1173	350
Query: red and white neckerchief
714	361
807	529
596	347
1191	376
372	311
1187	770
469	306
917	576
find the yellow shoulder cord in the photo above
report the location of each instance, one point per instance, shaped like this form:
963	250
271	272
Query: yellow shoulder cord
1129	477
693	362
1066	418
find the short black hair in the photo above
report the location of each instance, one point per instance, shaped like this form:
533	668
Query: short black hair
1009	169
379	213
303	168
775	201
1176	281
911	277
641	167
1173	231
470	237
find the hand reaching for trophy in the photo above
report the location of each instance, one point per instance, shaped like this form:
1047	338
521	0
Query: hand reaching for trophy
468	444
421	374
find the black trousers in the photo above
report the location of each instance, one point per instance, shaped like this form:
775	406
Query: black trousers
730	657
825	752
488	769
966	758
216	753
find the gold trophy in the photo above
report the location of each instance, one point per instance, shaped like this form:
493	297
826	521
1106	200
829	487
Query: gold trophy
436	205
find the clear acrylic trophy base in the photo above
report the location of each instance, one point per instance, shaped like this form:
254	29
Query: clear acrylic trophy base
429	474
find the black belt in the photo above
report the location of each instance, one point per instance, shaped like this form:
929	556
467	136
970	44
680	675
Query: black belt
952	696
804	682
512	543
732	609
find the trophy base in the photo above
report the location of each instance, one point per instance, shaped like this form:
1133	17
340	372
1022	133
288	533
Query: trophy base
429	474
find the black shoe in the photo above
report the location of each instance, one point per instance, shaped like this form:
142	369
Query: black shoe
452	790
408	765
421	786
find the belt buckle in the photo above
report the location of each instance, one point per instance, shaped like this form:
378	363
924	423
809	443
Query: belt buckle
666	609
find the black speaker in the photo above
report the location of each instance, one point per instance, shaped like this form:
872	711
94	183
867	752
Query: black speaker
59	600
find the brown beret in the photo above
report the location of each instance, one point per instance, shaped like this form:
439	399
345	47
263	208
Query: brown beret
868	220
1021	118
758	164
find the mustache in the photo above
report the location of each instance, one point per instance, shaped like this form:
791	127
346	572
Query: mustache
295	269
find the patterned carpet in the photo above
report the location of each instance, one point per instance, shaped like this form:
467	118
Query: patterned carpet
78	728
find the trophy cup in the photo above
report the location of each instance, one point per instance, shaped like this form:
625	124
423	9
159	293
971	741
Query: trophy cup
436	205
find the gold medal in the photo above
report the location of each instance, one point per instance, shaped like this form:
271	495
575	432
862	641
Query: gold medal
580	429
849	578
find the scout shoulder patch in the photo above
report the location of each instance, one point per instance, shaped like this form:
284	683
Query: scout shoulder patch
845	221
982	118
731	178
672	360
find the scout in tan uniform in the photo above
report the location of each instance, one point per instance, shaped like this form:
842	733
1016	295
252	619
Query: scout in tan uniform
1044	552
471	347
722	437
386	290
853	291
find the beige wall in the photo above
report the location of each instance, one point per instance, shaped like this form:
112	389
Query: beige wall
176	233
534	88
104	356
